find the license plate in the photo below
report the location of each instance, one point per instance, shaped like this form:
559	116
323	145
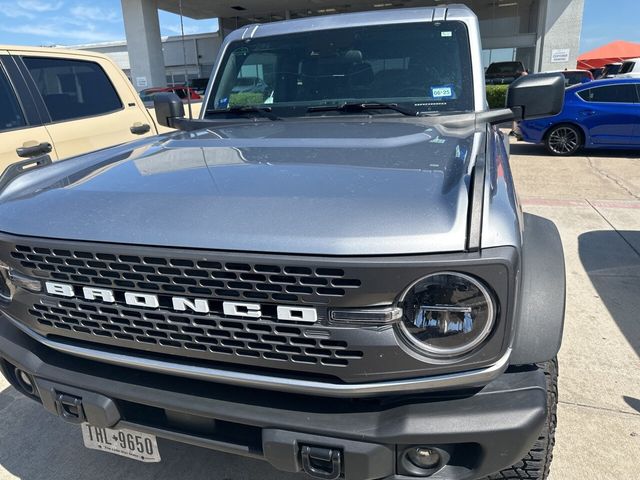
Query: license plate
127	443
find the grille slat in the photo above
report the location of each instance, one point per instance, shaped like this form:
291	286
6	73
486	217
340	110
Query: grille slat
214	277
175	333
289	283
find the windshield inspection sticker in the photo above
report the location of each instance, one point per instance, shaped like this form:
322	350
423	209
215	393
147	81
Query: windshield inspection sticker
445	91
446	34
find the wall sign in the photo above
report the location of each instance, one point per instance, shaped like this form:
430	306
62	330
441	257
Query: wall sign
142	82
560	55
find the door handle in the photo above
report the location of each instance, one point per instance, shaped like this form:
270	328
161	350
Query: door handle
31	149
140	128
588	113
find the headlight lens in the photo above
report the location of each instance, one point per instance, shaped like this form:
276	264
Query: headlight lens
447	314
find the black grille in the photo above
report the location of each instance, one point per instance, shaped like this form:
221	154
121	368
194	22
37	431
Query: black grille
187	333
322	350
206	277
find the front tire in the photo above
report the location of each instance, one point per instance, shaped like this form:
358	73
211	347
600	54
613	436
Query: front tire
537	463
563	140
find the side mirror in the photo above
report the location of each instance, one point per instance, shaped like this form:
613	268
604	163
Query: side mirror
168	108
536	96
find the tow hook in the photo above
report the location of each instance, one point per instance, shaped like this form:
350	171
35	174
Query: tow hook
70	408
321	462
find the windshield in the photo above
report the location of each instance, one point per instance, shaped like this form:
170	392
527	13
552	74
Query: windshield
505	68
627	67
423	66
611	69
247	81
574	78
147	95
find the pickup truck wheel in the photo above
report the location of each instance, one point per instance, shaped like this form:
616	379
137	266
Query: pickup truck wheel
536	465
563	140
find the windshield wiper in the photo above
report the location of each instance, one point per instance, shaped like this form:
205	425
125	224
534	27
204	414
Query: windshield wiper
361	106
260	111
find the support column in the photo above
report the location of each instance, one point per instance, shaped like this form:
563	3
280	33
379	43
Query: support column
144	43
559	30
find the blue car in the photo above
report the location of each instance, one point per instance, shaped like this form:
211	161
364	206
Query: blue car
599	114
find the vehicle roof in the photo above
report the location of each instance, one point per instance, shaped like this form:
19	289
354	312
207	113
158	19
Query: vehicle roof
356	19
569	70
604	82
56	50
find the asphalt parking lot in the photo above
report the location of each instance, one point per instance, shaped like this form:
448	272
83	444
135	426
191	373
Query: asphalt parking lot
595	201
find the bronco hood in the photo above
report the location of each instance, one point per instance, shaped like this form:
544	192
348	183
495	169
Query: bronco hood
317	186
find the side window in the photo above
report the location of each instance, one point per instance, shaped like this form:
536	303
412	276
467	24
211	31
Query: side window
10	113
73	88
181	92
626	93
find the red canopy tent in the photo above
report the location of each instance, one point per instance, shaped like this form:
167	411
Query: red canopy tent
610	53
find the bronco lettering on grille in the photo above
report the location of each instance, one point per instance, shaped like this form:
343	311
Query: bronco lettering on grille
182	304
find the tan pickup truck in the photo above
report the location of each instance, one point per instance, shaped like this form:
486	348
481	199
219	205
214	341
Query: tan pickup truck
65	103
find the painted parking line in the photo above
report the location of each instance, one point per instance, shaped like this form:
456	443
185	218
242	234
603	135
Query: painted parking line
553	202
616	204
560	202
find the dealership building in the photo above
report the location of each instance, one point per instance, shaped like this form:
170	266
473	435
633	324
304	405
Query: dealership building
543	34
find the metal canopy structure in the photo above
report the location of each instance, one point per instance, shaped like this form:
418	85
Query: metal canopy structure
537	32
260	10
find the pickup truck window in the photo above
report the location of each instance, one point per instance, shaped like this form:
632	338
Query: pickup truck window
10	114
72	88
423	66
499	68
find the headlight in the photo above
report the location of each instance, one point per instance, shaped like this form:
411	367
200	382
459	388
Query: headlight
447	314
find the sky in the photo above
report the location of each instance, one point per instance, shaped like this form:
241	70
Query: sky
609	20
72	22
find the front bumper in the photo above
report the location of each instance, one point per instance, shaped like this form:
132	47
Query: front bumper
481	431
531	131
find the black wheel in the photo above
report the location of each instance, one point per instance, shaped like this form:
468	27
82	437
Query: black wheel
537	463
563	140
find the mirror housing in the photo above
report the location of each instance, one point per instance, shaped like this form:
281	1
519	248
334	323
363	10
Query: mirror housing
168	108
536	96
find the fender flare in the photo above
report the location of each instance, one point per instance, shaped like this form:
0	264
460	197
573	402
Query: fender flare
538	331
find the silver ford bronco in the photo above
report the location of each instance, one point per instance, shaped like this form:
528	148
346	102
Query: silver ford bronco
329	270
